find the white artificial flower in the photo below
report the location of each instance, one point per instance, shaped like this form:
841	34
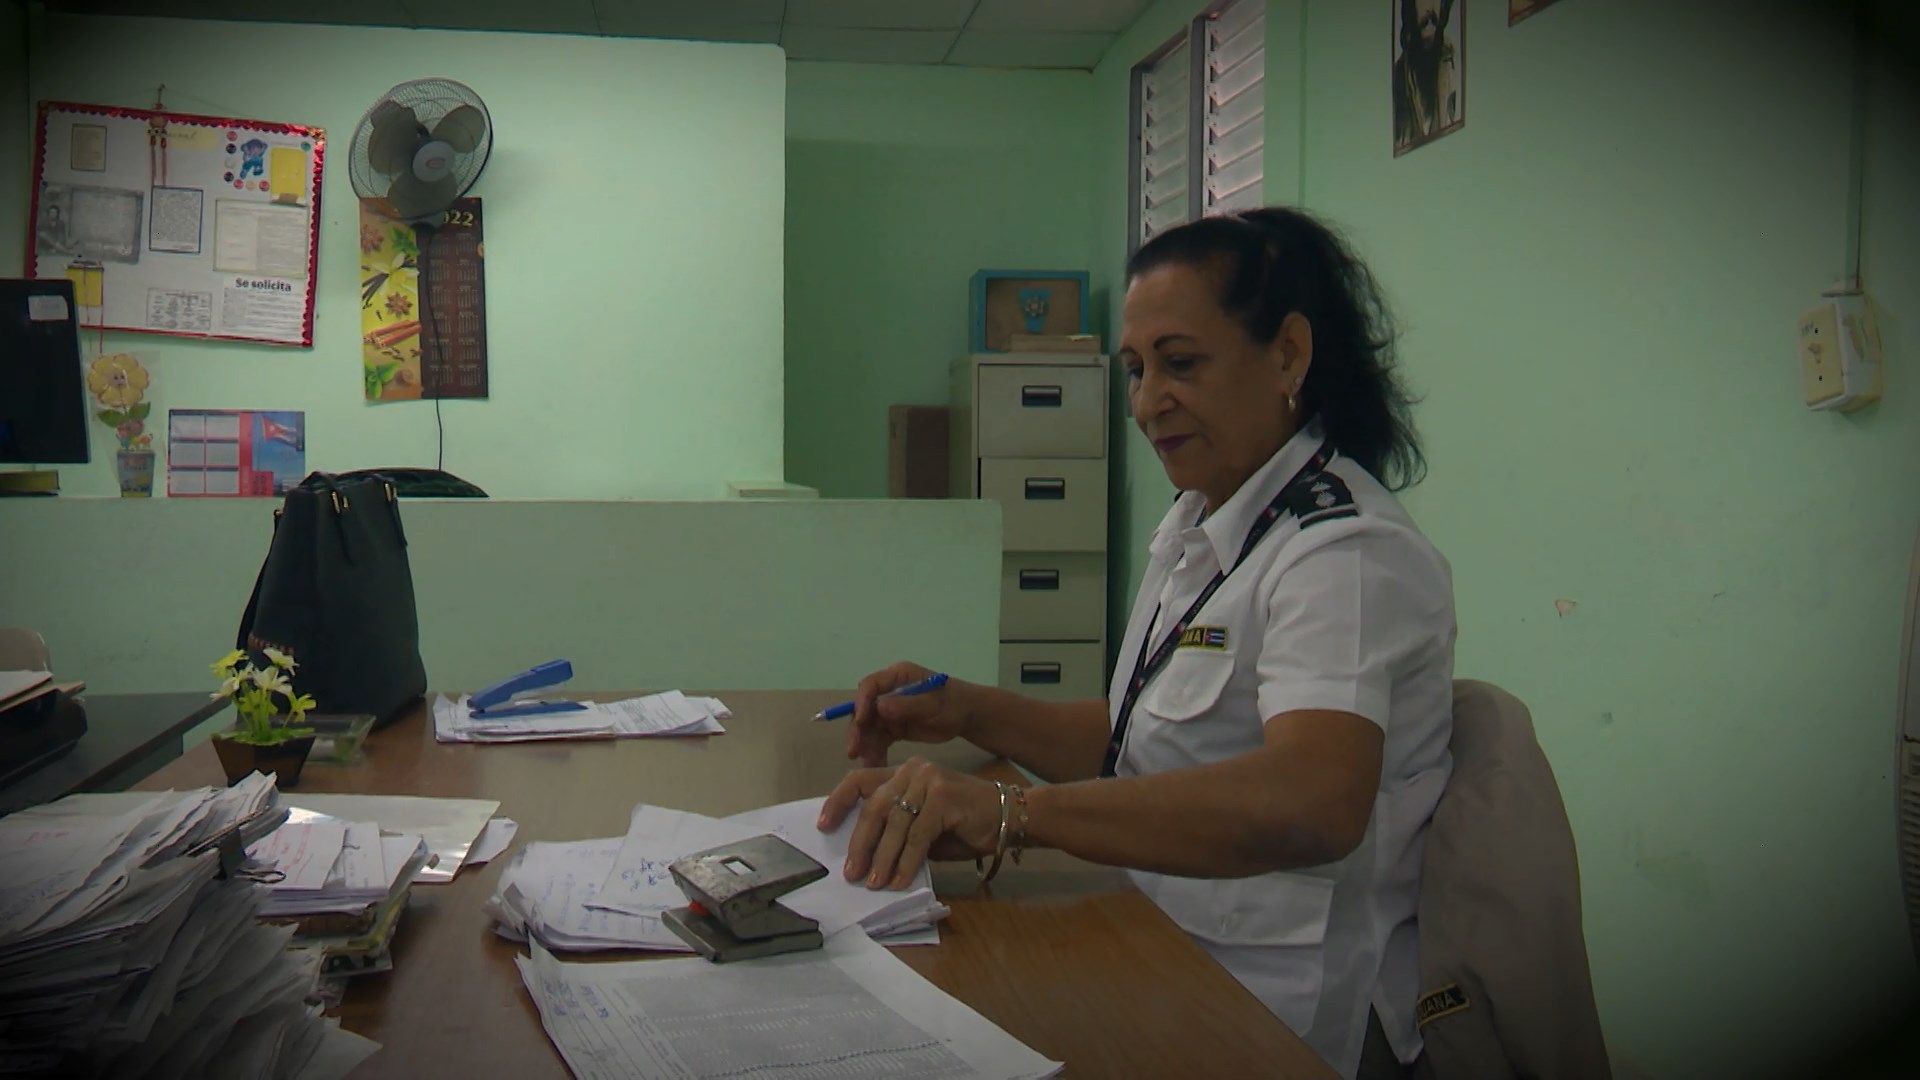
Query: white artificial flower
280	659
272	679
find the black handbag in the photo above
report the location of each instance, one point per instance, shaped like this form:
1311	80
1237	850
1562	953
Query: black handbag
336	593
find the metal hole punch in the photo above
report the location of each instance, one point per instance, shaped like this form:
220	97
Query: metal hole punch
733	892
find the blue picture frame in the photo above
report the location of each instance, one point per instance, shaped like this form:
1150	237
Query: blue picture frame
977	300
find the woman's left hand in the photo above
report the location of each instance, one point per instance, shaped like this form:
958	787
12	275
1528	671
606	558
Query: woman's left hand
910	814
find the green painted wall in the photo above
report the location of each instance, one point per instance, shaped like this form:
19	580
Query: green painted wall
633	227
901	182
15	130
142	595
1598	281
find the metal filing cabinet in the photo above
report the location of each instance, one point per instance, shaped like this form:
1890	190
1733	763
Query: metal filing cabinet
1029	430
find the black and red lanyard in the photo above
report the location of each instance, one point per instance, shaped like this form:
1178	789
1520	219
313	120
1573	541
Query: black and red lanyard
1296	493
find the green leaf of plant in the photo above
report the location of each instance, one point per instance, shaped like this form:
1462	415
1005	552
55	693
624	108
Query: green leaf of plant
112	417
141	411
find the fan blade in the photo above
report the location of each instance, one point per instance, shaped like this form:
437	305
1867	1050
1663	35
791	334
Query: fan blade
462	128
414	198
391	142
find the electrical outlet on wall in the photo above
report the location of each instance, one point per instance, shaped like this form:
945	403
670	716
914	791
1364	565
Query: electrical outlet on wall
1839	353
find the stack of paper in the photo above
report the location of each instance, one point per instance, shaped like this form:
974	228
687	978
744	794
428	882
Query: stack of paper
450	827
850	1009
671	713
323	867
609	894
124	950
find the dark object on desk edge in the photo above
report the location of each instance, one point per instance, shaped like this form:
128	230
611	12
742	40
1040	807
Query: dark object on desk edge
421	483
335	592
37	732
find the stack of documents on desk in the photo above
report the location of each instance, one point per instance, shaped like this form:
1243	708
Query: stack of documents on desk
671	713
328	868
590	895
125	952
851	1009
452	828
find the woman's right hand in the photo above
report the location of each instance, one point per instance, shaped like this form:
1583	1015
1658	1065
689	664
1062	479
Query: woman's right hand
880	721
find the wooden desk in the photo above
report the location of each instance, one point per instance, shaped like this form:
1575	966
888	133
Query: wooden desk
128	737
1068	958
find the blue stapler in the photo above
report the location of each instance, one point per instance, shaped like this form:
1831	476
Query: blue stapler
497	702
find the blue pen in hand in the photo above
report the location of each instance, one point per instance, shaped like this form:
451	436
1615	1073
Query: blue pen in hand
926	685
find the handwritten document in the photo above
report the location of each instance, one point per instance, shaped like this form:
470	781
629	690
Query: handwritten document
847	1011
303	853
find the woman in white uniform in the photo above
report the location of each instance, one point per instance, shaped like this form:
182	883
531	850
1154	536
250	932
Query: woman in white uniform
1275	736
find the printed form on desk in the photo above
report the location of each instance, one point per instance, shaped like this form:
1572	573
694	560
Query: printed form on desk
848	1011
669	713
609	893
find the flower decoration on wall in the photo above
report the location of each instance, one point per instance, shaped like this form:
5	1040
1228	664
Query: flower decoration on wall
119	384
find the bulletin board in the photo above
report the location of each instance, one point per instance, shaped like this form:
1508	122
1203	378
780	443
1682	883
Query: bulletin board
195	226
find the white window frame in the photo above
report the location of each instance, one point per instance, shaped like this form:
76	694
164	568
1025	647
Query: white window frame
1226	110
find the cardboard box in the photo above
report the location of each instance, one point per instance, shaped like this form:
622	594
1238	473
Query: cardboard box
1076	344
917	452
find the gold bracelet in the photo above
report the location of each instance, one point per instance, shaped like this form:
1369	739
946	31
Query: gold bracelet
1020	826
1000	846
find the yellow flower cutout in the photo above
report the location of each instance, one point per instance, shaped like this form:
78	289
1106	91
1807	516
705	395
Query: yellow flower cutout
226	664
117	380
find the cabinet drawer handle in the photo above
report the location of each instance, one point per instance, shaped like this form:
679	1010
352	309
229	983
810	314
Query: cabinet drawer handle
1039	580
1046	487
1040	397
1039	673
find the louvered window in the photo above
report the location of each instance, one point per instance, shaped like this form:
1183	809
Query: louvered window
1235	106
1165	170
1194	157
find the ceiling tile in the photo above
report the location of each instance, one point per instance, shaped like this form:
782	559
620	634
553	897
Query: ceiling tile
341	12
547	16
867	46
702	14
1057	16
996	48
752	20
881	14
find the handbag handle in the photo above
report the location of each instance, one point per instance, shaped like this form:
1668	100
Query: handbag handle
253	601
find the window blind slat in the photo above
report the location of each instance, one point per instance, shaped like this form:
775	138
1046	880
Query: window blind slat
1160	160
1248	106
1247	198
1225	51
1232	83
1234	107
1225	181
1227	149
1161	189
1237	17
1166	170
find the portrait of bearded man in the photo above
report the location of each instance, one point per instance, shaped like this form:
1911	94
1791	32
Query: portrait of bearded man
1428	71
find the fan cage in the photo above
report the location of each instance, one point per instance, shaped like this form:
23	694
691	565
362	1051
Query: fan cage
431	100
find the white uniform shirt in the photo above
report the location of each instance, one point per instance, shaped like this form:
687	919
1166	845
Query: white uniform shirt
1352	612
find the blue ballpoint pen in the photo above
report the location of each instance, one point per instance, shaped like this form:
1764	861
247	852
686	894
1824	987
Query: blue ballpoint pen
924	686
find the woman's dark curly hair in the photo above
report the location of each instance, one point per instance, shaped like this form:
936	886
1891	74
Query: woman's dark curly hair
1275	261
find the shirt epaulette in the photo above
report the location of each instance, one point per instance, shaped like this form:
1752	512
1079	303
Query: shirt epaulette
1324	498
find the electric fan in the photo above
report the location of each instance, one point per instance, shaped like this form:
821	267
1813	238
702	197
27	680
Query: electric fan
420	148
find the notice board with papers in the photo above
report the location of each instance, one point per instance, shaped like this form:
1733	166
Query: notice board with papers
170	223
